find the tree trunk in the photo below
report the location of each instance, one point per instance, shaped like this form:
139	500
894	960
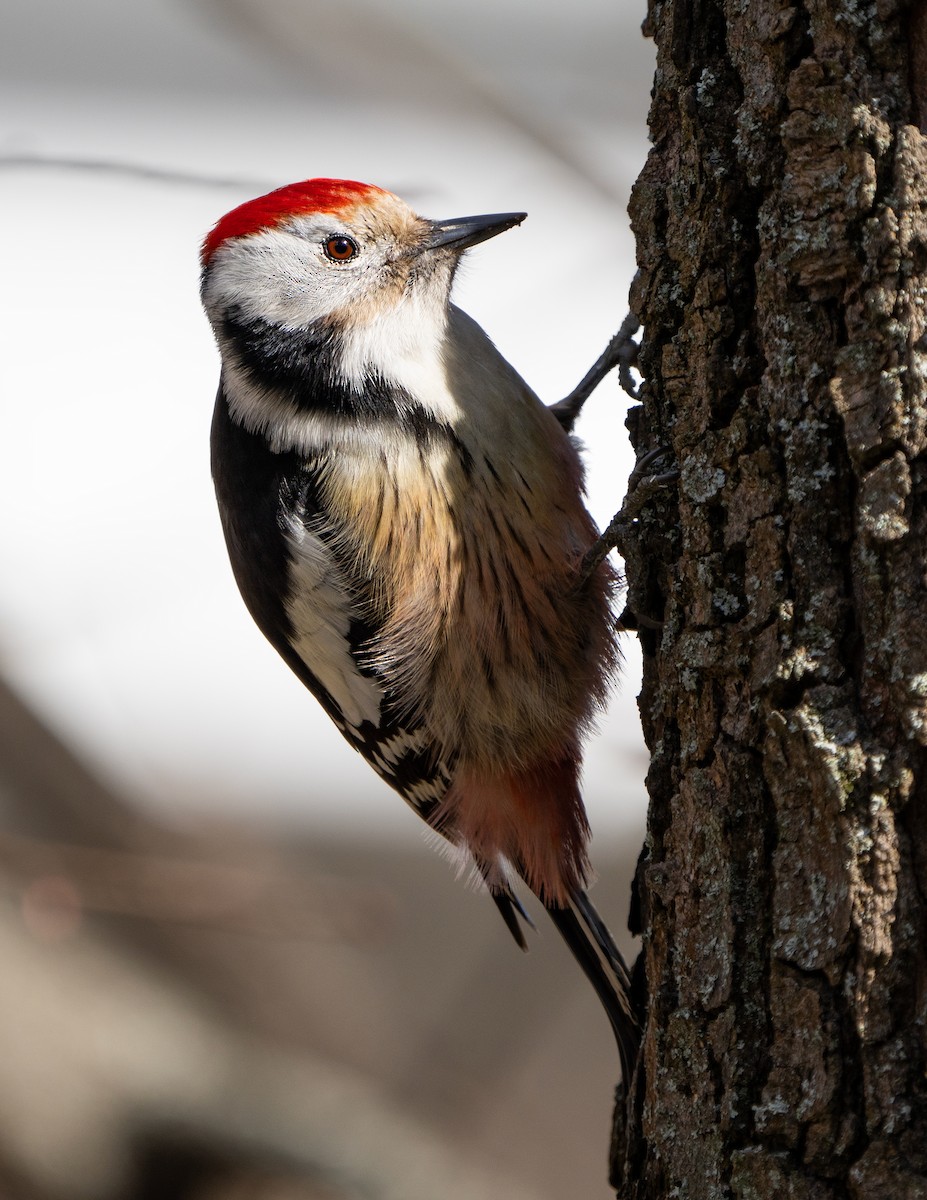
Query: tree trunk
781	224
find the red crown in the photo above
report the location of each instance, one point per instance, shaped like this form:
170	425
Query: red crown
310	196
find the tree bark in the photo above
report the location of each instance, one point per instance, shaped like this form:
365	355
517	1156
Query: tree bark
781	225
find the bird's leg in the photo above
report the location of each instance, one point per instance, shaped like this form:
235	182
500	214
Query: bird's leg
641	487
621	352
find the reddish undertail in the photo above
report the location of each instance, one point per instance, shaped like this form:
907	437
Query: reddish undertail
533	819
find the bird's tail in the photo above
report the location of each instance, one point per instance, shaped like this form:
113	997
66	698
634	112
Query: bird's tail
594	949
506	901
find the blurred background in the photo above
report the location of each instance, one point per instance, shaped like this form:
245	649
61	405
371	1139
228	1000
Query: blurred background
230	964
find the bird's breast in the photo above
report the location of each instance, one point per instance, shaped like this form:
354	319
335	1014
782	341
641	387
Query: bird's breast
469	572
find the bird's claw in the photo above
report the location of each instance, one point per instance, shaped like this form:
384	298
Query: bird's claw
641	487
621	352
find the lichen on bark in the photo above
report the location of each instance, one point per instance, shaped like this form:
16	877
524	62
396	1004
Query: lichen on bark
781	225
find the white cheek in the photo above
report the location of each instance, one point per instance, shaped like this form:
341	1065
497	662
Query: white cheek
276	277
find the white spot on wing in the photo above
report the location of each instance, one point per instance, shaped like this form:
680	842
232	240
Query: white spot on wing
426	792
393	749
320	612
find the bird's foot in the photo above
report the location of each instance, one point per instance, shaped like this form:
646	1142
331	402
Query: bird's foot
641	488
621	352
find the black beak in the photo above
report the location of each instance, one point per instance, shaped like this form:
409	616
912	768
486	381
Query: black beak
461	232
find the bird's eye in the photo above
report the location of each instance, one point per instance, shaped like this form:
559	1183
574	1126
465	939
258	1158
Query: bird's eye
340	248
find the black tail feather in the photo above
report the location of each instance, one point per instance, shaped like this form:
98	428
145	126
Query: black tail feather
511	909
594	949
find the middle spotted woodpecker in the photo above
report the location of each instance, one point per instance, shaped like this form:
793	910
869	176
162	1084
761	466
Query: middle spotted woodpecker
405	523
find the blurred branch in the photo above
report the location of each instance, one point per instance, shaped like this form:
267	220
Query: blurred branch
59	882
133	171
399	59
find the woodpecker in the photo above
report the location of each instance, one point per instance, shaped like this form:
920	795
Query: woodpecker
405	522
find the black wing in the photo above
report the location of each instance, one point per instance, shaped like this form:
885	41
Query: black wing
259	492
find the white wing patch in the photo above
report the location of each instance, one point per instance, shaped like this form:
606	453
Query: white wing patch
319	610
392	750
427	791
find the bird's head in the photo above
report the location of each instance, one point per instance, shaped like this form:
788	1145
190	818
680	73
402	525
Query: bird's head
335	252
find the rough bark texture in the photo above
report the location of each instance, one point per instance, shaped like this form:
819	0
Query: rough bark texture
781	223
